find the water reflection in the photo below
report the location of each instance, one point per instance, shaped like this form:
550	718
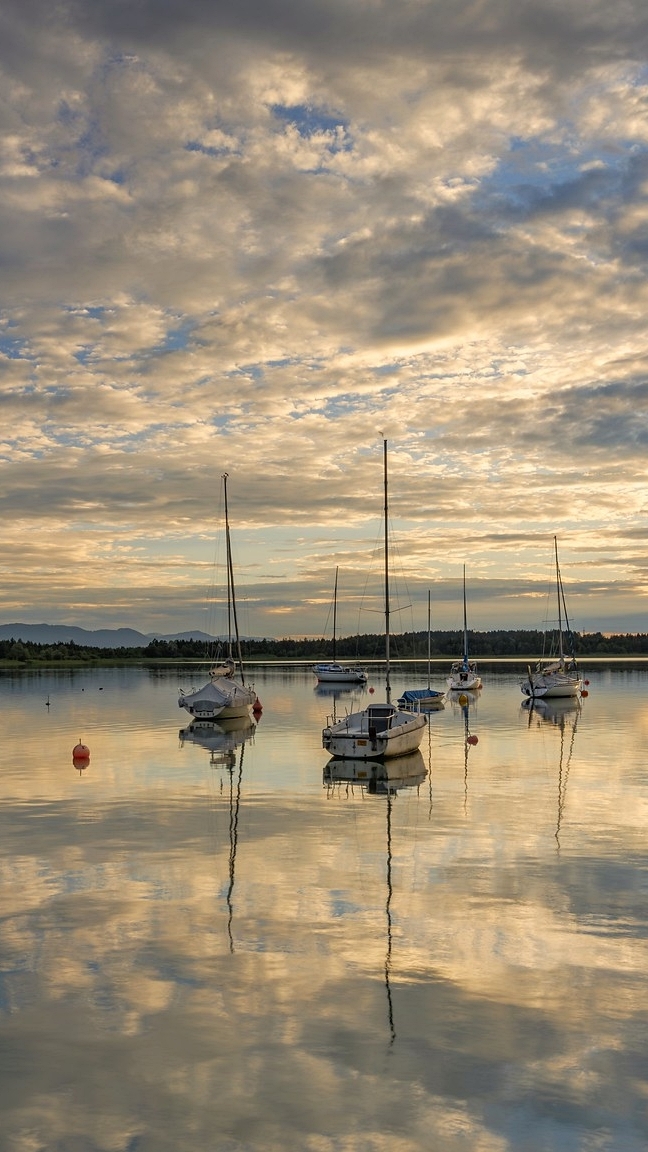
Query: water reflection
563	715
384	780
220	740
461	705
202	949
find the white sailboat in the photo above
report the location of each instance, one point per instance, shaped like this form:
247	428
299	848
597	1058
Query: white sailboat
223	697
381	730
463	673
560	677
424	699
334	673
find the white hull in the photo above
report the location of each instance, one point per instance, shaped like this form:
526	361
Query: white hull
337	674
220	699
552	686
462	680
377	733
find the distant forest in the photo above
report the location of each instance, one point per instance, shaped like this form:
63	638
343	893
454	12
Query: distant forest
445	645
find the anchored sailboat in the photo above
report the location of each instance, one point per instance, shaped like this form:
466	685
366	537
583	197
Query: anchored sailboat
334	673
424	699
463	673
381	730
223	697
559	677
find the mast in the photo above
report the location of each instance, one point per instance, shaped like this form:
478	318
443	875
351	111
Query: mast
231	595
429	648
387	669
465	651
561	655
335	613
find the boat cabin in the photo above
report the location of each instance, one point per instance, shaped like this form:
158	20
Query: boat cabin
379	716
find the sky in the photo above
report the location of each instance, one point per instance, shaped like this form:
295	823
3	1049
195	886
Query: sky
256	237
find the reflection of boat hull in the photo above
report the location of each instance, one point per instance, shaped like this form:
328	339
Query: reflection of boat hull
379	776
218	737
220	699
553	711
377	733
337	674
335	690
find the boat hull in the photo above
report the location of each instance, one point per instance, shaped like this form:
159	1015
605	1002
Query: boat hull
378	733
556	689
336	674
420	700
470	684
220	699
464	677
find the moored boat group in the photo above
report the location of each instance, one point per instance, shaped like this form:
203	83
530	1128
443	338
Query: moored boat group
382	730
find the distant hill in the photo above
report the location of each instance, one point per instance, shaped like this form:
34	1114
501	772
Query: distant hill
101	638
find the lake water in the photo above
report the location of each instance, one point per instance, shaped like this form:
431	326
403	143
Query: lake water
216	948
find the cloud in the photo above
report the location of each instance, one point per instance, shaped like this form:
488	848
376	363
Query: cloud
253	238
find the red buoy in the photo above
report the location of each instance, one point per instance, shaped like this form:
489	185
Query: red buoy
80	752
257	707
584	692
371	690
472	740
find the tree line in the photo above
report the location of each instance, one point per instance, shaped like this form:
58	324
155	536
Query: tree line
523	643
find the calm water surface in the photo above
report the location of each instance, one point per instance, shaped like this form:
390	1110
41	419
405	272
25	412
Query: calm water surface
206	944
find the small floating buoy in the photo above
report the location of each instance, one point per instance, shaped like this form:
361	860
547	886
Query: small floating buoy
585	681
80	752
472	740
584	692
371	690
257	707
463	700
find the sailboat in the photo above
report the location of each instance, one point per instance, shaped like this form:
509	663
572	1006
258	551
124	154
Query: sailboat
463	673
424	699
223	697
381	730
559	677
335	673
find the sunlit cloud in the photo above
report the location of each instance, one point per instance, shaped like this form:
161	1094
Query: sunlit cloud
254	239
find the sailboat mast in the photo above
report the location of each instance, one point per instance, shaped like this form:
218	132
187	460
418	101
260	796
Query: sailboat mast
561	655
465	643
429	643
387	668
231	595
335	614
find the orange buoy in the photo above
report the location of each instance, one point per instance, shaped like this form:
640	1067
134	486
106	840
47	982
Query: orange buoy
80	752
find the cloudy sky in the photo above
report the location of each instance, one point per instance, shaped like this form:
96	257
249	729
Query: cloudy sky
257	236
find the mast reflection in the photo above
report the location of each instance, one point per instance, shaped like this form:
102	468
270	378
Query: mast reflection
562	714
462	704
222	741
384	780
